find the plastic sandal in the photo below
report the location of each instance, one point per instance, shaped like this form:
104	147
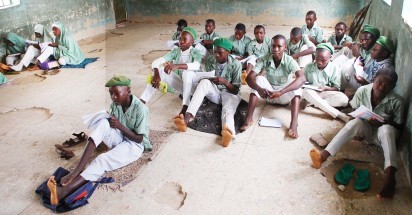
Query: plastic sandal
362	182
64	153
344	174
80	137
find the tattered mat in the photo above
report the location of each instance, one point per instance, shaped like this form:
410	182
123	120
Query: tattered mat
128	173
208	117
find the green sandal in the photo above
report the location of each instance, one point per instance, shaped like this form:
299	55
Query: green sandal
362	182
344	174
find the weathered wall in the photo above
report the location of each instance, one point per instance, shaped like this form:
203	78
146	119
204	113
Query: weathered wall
396	29
84	18
274	12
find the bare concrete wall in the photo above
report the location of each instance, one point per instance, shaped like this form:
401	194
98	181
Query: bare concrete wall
274	12
84	18
395	28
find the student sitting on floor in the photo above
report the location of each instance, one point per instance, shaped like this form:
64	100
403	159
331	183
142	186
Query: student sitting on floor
380	58
14	45
222	89
300	48
210	35
43	37
126	133
179	70
180	25
256	49
277	87
339	39
65	48
382	100
240	42
314	32
325	76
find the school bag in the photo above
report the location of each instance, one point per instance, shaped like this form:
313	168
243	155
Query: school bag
73	201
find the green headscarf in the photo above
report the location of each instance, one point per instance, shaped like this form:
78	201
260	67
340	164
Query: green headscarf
68	47
19	43
223	43
39	28
118	81
386	43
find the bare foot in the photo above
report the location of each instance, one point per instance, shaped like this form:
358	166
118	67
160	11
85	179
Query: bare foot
244	75
227	136
52	185
246	125
180	123
388	190
68	178
316	159
293	131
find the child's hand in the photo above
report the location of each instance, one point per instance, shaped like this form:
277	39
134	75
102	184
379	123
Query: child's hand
114	122
53	44
372	121
156	80
263	93
276	94
170	68
219	80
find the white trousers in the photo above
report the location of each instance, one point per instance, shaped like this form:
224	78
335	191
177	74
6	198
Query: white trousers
304	60
47	52
29	57
228	100
386	136
284	99
122	151
347	73
252	60
184	85
345	51
326	100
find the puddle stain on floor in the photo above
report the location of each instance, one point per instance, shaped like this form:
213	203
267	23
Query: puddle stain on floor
171	194
28	79
153	55
18	119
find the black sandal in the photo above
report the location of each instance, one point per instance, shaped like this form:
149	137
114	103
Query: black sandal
80	137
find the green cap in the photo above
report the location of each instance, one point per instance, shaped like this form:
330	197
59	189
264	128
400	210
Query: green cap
374	31
386	43
223	43
191	31
118	81
327	46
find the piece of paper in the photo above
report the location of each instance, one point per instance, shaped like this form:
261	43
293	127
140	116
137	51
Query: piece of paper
266	122
245	59
92	119
359	69
364	113
202	75
311	87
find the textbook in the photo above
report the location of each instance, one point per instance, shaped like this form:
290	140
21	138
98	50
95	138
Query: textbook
203	75
266	122
364	113
311	87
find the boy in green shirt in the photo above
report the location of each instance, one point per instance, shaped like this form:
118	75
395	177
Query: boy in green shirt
380	98
276	86
210	35
300	48
125	131
325	76
339	39
314	32
222	89
240	42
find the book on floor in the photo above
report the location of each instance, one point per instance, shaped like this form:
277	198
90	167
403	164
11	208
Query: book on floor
267	122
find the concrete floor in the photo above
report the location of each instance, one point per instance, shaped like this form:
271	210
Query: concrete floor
263	172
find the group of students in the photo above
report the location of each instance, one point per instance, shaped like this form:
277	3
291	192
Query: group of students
55	43
276	70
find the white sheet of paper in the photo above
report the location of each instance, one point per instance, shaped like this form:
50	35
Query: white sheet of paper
171	43
266	122
201	75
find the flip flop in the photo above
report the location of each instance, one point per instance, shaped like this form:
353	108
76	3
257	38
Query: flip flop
319	140
80	137
362	182
344	174
64	153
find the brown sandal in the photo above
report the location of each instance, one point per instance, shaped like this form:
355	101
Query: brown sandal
80	137
319	140
64	153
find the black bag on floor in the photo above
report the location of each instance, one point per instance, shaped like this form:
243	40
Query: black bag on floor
75	200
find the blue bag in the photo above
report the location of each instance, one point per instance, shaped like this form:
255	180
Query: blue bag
75	200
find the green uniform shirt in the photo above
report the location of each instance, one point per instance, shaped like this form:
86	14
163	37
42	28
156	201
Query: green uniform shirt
332	40
366	54
253	49
293	49
329	76
277	76
390	108
176	36
206	36
174	56
136	119
232	71
240	46
316	32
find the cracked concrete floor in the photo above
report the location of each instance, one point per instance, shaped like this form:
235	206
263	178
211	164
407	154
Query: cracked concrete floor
261	173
